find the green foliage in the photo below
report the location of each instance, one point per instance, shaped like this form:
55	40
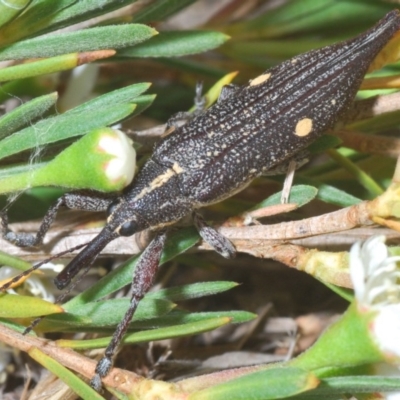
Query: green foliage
273	383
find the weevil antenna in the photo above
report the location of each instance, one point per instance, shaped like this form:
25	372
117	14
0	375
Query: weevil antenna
23	274
60	299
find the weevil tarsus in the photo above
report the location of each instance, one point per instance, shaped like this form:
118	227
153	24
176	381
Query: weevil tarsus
218	242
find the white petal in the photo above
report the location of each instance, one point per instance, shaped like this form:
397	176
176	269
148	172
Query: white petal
385	330
357	271
123	165
374	253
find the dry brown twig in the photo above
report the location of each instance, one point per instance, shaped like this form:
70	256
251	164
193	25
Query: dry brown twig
284	242
125	381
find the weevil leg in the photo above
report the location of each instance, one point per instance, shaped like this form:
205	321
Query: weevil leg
288	167
88	201
298	160
218	242
228	91
287	184
200	101
143	278
183	117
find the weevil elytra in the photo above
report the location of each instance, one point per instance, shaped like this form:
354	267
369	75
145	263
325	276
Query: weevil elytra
252	130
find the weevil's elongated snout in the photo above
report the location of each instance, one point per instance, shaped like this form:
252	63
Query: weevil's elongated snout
85	258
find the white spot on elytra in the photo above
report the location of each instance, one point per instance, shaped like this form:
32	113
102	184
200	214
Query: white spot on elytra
303	127
259	79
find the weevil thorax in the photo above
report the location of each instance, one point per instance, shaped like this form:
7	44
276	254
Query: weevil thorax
153	200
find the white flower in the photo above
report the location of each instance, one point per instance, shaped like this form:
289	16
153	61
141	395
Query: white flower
385	329
375	274
375	279
122	165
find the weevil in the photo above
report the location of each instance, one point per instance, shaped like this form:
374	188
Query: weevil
252	130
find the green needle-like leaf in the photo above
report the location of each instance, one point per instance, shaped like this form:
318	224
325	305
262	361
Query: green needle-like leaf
52	64
14	262
177	317
15	326
36	17
98	38
25	114
119	96
272	383
296	17
82	389
176	44
62	127
10	9
187	292
299	194
153	334
362	177
14	306
76	11
160	9
103	314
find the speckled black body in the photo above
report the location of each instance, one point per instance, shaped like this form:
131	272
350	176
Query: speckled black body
255	129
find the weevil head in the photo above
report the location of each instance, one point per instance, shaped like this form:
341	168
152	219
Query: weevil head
123	220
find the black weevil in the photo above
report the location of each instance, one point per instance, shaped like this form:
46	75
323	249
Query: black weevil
252	130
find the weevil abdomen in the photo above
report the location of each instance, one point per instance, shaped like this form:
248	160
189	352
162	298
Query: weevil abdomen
272	118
